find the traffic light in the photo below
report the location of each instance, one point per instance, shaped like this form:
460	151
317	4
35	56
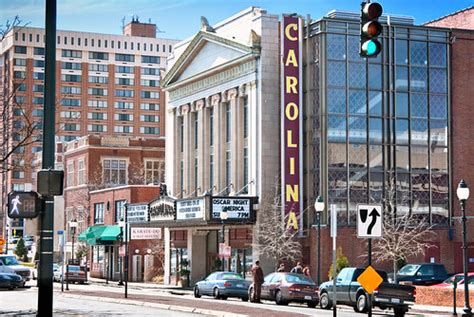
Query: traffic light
23	205
370	28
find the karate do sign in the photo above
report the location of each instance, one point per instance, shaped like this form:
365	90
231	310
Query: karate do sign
369	221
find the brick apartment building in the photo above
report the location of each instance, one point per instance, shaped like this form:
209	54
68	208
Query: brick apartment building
107	85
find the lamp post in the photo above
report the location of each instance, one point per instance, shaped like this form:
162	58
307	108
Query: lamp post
223	216
126	250
463	194
121	224
319	207
72	231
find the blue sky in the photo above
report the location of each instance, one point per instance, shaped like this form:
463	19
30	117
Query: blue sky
179	19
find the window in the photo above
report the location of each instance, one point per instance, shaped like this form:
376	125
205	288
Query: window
124	69
98	79
37	112
211	171
154	171
98	68
246	117
150	94
19	62
114	171
196	133
70	90
123	105
228	123
123	93
124	57
99	213
20	49
70	174
124	81
70	65
98	55
149	130
97	91
38	100
246	171
20	99
72	41
123	129
150	59
81	172
70	114
71	127
20	87
149	71
150	83
38	76
38	50
71	53
71	78
65	40
120	210
97	103
150	106
228	166
123	117
149	118
18	175
18	112
71	102
38	63
97	116
19	74
96	128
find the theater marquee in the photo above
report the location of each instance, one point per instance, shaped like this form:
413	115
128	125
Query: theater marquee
291	114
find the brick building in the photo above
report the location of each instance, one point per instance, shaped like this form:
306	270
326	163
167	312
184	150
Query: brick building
107	85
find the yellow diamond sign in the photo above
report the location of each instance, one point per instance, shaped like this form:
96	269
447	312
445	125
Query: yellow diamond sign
370	279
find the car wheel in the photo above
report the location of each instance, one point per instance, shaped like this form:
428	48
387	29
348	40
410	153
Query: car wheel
279	298
223	297
399	311
324	301
244	299
361	303
312	304
196	292
216	293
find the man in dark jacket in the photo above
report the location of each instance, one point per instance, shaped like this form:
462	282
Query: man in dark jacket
257	275
298	268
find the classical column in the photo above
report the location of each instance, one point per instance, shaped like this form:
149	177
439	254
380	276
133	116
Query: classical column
254	138
187	150
218	138
177	155
201	149
235	140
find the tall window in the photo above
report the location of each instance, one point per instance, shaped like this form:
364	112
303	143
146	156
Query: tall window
70	174
211	171
211	126
80	172
181	134
228	123
154	172
246	117
196	131
246	171
119	210
228	166
195	176
99	213
181	180
114	171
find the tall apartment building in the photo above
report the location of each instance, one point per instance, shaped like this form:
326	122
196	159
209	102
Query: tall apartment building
107	85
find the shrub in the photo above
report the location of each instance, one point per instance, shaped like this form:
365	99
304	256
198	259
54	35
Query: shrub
341	262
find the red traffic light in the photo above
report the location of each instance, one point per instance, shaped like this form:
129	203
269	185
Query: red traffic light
372	10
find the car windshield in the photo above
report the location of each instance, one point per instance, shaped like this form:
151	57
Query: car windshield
230	276
450	280
409	269
299	279
9	260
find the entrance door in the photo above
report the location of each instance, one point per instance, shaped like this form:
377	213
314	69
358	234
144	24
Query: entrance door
241	261
178	255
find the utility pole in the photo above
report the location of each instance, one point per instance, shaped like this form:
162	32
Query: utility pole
45	274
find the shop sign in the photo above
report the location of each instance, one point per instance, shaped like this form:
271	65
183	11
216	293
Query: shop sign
145	233
137	213
236	208
190	209
291	121
162	210
224	251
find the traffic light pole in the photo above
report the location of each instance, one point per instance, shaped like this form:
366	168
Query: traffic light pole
45	273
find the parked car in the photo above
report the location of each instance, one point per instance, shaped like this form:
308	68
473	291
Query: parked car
29	242
284	287
222	285
350	292
10	280
9	264
458	279
76	274
423	273
34	272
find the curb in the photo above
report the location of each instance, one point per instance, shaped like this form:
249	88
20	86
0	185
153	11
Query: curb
157	305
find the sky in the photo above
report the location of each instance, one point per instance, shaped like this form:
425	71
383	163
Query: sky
179	19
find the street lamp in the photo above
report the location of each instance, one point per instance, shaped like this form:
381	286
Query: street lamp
223	216
319	207
463	194
72	231
121	224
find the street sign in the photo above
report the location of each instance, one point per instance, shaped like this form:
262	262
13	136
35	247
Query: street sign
224	251
23	205
370	279
369	221
60	232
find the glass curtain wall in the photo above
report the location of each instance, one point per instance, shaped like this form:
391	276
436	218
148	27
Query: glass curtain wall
390	141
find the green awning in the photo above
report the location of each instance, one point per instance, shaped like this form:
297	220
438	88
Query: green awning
111	234
92	235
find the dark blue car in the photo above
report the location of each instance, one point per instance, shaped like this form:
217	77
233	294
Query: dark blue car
10	280
222	285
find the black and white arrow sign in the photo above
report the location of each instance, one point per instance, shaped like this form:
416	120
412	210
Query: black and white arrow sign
369	221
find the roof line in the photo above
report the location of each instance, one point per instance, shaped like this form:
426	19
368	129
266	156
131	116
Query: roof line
448	15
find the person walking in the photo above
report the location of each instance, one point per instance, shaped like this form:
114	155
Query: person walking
297	269
281	268
306	271
257	275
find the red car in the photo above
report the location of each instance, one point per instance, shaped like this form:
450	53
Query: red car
459	278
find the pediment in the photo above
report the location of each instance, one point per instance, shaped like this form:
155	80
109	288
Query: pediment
207	51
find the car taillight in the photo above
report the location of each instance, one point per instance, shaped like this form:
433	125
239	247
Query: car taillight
414	292
227	284
294	288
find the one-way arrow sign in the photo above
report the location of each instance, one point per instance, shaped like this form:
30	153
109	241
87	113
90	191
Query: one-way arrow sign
369	221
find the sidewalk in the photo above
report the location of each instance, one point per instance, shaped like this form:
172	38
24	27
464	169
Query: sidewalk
177	290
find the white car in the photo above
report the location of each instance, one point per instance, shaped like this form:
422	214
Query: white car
9	264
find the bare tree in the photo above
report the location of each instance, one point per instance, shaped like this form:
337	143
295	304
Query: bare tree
405	233
274	240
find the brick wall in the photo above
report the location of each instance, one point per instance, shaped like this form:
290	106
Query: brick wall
461	20
441	296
